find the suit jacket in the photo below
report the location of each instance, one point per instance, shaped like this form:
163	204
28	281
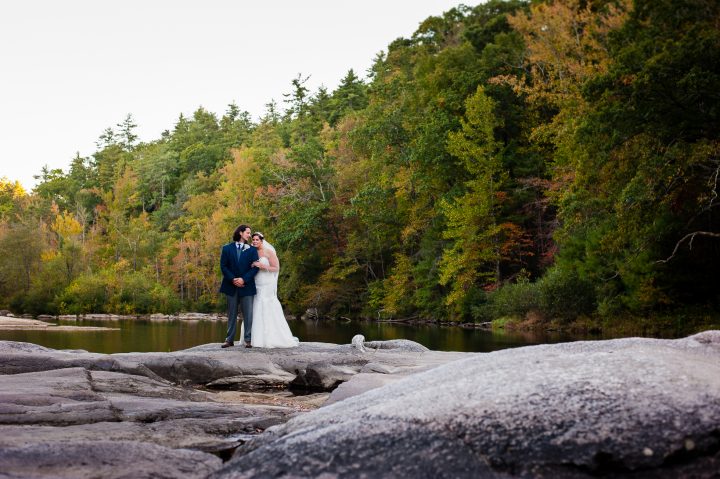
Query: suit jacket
233	268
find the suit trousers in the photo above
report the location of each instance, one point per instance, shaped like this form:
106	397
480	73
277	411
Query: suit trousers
245	305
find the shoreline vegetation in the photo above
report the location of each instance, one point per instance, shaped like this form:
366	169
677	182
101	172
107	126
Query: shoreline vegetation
551	162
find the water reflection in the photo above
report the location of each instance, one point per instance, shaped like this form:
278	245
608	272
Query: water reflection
143	335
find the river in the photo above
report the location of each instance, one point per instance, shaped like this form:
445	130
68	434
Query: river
143	335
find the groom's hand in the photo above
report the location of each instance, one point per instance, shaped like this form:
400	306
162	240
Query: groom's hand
239	282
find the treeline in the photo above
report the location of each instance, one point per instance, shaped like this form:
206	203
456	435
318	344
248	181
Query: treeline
517	159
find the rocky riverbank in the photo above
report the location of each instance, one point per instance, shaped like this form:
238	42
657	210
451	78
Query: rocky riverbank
629	407
24	324
80	414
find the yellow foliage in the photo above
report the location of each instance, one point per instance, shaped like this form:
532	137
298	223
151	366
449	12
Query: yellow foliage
48	255
66	226
12	189
398	286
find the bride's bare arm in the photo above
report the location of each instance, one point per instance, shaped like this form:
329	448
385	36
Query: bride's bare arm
274	262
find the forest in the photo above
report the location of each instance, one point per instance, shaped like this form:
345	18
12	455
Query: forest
542	162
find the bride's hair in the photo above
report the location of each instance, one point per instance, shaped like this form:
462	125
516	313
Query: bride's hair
265	243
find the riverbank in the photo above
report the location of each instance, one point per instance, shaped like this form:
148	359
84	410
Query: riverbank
24	324
118	317
669	325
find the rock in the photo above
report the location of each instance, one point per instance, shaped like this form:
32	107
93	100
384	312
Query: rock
63	401
52	398
75	396
358	342
68	411
310	314
24	324
626	408
318	366
20	347
104	458
324	376
397	344
200	316
258	382
359	384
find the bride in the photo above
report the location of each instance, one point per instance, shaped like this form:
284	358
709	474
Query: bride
269	327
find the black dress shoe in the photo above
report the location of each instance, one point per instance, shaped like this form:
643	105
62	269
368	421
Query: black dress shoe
248	345
227	344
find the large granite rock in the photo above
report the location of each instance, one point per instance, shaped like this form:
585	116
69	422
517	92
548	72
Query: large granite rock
632	407
79	414
623	408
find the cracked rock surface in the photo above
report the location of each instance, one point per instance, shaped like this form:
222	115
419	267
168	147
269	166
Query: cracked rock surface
74	414
619	408
640	408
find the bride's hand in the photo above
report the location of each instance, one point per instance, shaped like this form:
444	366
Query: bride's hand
257	264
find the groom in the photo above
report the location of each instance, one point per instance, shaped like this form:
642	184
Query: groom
238	282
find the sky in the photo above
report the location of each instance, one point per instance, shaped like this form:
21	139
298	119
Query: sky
70	69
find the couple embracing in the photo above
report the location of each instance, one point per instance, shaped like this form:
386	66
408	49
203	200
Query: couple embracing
250	269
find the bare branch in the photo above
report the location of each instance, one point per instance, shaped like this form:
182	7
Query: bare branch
690	236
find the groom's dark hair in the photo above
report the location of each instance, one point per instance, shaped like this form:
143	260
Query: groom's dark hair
238	230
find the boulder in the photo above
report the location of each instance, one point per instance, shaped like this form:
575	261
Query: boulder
622	408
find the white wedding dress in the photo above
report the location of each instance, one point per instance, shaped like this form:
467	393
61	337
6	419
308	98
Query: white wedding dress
269	327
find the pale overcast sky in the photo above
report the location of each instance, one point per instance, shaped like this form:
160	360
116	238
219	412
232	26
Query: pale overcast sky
69	69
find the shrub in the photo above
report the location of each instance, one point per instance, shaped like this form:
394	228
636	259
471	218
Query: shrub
115	291
87	294
516	299
559	295
564	295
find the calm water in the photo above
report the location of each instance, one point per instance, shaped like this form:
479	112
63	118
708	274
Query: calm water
141	335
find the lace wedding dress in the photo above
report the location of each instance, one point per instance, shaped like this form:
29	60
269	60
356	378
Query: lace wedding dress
269	327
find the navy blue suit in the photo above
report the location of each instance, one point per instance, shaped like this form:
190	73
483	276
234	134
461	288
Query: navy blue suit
233	267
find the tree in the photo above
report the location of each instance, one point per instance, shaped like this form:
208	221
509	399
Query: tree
298	98
350	96
473	259
21	247
125	135
12	197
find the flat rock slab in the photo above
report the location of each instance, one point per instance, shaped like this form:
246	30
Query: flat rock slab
313	366
80	414
74	422
23	324
104	459
622	408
